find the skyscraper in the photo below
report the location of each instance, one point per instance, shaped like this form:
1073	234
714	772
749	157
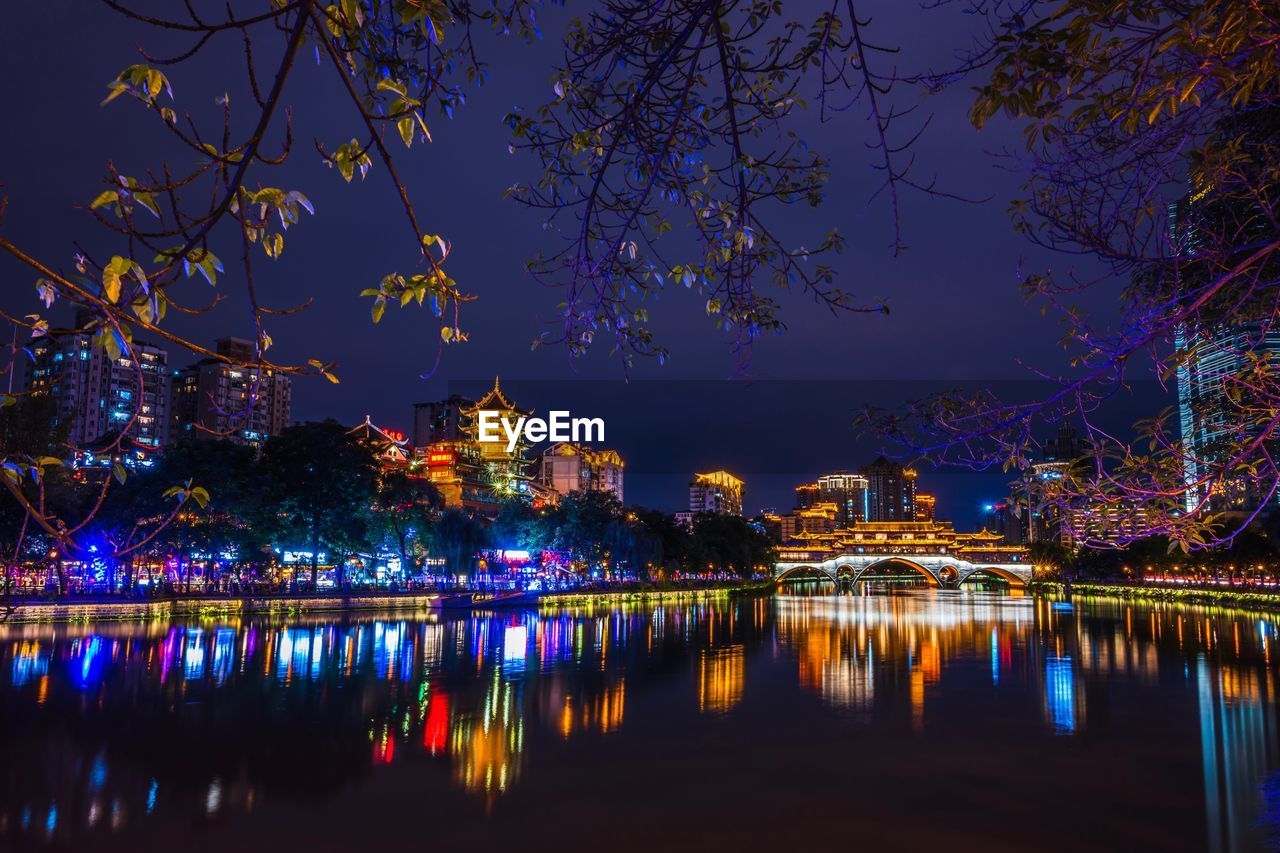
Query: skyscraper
891	491
235	399
1213	407
1044	515
1227	351
806	495
849	493
98	397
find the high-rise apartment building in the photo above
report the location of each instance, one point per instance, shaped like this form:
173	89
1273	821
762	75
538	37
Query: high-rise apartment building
235	399
891	491
99	397
440	420
1045	517
717	491
1220	406
849	493
1213	406
569	467
807	495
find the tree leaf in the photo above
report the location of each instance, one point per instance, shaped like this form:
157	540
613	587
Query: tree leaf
112	277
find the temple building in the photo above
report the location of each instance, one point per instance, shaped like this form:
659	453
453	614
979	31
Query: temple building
717	491
473	474
569	467
822	517
904	539
390	448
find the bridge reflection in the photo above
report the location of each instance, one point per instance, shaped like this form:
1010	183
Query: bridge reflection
887	654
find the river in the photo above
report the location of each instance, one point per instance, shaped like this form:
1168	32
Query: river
888	720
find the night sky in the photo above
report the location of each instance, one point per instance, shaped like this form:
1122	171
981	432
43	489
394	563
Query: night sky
956	310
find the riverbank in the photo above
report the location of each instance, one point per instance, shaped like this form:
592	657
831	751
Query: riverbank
124	610
649	596
1251	599
206	607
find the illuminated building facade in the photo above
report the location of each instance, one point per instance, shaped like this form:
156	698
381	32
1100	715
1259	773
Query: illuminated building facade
1218	406
820	518
569	467
926	507
849	493
390	447
98	397
891	491
1044	521
469	473
907	538
944	557
239	401
1008	519
717	491
1113	522
1211	405
806	495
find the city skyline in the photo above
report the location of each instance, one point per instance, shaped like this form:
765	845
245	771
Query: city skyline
964	259
466	424
954	312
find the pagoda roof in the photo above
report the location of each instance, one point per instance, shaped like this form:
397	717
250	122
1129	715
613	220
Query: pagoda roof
495	399
369	431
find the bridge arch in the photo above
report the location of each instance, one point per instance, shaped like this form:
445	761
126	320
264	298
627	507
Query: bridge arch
816	571
929	576
997	572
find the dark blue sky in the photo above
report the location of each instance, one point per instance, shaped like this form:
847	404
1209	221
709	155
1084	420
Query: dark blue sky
956	310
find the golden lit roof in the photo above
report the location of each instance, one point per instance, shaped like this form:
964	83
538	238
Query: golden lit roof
495	399
602	456
718	478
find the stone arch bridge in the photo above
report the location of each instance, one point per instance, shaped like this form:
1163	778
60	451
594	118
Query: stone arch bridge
940	570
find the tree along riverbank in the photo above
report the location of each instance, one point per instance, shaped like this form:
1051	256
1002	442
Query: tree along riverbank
1245	598
19	610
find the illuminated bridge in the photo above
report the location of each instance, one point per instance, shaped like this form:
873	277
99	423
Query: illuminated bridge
942	556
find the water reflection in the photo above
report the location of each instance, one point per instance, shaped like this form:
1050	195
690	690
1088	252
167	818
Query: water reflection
108	729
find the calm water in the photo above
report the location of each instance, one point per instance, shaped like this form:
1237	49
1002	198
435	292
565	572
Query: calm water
908	721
